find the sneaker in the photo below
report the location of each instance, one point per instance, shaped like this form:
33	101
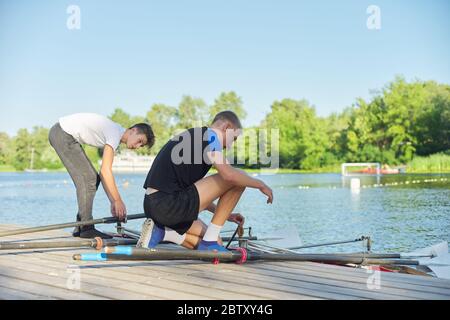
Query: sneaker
91	233
151	235
211	246
77	230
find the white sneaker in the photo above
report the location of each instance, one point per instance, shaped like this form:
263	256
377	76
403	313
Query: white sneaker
146	233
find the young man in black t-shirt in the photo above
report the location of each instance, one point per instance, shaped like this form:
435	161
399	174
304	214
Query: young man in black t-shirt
177	189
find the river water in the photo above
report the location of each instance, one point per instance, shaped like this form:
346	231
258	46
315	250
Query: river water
406	212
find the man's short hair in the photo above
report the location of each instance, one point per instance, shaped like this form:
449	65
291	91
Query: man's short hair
228	116
146	129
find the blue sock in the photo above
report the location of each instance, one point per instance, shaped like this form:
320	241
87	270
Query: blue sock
211	245
157	236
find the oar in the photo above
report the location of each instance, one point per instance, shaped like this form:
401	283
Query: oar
97	243
133	254
131	232
386	255
252	238
363	238
230	231
69	225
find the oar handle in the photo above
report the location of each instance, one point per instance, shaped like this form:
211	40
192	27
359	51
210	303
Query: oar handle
69	225
96	243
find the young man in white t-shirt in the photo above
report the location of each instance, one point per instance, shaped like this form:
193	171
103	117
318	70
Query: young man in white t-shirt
67	136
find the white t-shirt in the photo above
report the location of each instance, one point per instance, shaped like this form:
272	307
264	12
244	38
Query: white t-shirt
93	129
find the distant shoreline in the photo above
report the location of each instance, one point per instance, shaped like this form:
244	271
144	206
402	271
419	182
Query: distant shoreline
8	169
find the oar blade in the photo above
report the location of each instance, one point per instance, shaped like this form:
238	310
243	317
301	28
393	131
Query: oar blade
284	238
435	250
439	260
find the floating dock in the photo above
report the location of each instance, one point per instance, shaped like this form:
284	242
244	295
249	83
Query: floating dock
53	274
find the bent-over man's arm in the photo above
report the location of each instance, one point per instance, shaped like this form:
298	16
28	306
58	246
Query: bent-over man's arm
118	208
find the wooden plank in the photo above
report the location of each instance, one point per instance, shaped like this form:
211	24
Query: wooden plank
397	277
252	271
99	290
347	276
107	278
402	291
65	235
36	288
51	281
339	281
13	294
184	280
95	284
355	272
305	281
262	289
290	276
322	294
281	287
362	282
362	273
174	285
388	283
131	270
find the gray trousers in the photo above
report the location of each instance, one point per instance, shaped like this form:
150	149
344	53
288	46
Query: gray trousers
81	170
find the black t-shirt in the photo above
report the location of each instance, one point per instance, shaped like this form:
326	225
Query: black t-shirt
181	162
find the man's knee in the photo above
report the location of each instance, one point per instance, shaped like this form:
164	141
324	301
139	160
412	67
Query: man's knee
213	183
238	189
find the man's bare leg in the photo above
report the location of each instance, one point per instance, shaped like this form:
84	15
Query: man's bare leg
214	187
195	234
209	189
227	203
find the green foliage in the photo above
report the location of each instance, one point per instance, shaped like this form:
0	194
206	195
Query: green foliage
22	150
33	151
124	119
228	101
121	117
50	159
192	112
5	149
7	168
432	125
439	162
403	119
39	143
94	155
303	138
401	123
163	120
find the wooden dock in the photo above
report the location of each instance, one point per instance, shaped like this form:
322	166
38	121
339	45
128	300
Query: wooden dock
52	274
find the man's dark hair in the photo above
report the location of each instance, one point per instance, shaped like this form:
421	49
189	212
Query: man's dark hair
145	128
228	116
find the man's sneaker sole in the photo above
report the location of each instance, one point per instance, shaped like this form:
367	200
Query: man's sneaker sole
146	233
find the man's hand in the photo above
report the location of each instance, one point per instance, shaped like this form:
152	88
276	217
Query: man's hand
267	191
119	210
237	218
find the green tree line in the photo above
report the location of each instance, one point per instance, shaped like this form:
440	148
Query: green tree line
400	121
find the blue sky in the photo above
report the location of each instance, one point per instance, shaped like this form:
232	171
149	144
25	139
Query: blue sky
131	54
